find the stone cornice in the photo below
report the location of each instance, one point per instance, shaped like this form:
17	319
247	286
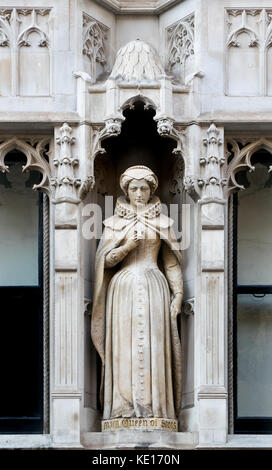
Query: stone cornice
139	7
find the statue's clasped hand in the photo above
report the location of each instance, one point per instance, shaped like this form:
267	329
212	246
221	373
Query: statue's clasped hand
134	241
176	304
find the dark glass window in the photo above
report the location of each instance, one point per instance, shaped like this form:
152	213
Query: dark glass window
21	321
253	299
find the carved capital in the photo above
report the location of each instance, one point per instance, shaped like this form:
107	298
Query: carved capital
167	128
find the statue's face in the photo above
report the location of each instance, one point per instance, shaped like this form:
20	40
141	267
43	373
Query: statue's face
138	192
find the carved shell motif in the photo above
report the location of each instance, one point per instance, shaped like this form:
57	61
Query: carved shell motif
137	61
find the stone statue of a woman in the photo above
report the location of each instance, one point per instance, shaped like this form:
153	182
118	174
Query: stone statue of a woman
137	297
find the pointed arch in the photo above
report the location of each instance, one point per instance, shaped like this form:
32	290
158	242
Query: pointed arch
130	103
233	37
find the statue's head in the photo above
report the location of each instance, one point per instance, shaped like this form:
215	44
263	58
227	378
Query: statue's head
139	184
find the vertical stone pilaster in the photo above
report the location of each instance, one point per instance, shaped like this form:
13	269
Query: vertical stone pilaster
66	393
211	321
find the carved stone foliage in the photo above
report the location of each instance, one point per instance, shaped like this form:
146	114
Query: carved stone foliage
238	155
248	54
65	182
95	46
25	32
138	62
211	181
36	150
180	47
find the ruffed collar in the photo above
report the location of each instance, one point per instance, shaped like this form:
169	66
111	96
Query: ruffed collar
150	211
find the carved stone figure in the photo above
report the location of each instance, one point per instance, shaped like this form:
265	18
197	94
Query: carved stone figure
137	297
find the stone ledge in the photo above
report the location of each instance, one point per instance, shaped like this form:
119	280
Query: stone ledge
125	439
242	441
25	441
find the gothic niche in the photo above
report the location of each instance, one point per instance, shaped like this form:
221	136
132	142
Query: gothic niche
139	143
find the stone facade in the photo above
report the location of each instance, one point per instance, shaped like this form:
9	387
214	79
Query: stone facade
71	72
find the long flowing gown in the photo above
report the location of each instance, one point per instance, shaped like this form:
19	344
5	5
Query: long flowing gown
138	377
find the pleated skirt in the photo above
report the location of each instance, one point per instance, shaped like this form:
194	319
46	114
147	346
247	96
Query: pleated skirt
138	370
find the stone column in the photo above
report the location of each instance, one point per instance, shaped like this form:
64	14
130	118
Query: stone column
66	394
211	317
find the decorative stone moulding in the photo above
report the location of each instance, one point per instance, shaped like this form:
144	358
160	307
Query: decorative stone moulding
35	149
238	153
130	103
95	36
16	33
111	128
255	25
180	45
141	6
232	39
211	182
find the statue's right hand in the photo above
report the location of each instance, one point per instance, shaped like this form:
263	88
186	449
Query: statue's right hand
134	241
